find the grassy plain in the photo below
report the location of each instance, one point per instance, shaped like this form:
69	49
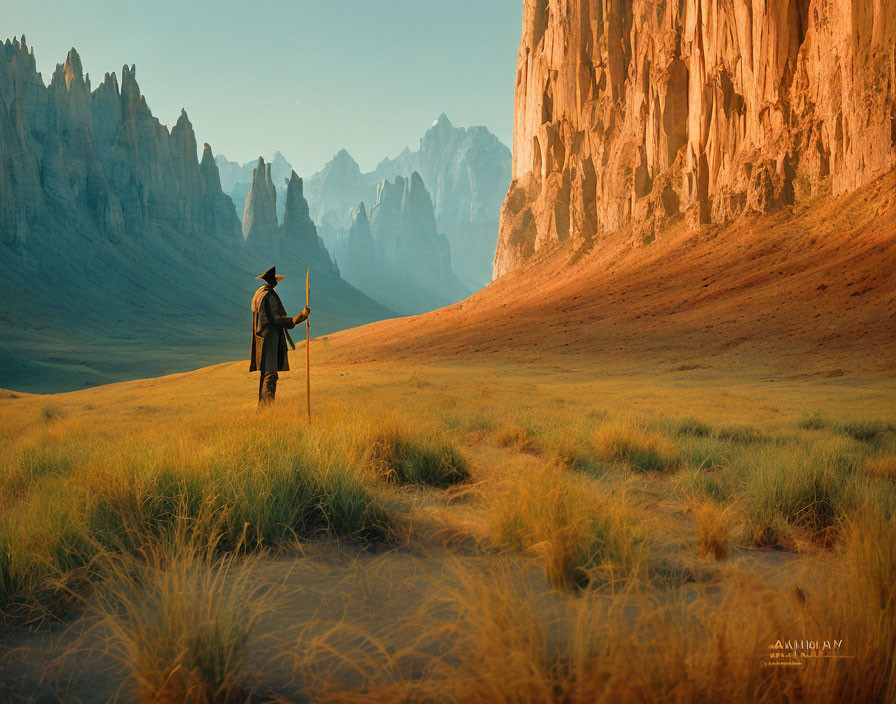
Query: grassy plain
470	532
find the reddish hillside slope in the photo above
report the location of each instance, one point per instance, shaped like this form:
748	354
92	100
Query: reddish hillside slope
786	294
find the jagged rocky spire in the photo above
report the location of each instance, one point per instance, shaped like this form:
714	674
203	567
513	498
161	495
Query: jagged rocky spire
208	170
298	236
361	261
218	213
297	224
260	212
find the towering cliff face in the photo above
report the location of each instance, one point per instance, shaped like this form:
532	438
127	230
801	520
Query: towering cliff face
216	207
112	229
298	235
297	225
638	112
360	260
97	161
362	255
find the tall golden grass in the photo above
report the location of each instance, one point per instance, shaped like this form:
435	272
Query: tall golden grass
178	616
498	642
69	498
583	535
157	528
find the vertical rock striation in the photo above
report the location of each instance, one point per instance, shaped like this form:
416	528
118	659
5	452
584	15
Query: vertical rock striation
298	235
97	162
297	224
360	260
637	112
413	251
216	208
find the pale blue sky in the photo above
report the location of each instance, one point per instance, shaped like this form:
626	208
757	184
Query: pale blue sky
307	77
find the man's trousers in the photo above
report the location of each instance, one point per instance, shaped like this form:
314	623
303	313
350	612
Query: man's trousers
267	387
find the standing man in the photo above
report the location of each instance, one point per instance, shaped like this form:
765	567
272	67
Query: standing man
269	337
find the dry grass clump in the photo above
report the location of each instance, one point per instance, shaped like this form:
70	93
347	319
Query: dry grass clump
790	489
706	453
812	421
871	559
714	522
698	484
10	581
882	466
50	412
501	648
692	427
868	611
740	434
516	437
636	447
477	638
697	428
179	618
867	430
290	485
25	466
583	536
393	452
476	422
860	606
569	450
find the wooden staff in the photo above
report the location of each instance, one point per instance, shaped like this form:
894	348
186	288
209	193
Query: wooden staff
308	343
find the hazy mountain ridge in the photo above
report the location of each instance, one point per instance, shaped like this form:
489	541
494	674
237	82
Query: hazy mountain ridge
466	171
396	254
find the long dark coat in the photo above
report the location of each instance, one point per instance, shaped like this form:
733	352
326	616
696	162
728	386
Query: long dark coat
269	325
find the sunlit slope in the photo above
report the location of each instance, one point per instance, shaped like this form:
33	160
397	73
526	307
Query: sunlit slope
791	293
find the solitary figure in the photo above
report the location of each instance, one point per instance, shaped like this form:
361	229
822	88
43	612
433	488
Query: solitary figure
269	337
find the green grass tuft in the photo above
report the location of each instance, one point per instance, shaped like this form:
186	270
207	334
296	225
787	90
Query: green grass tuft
869	431
638	448
400	456
692	427
788	487
812	421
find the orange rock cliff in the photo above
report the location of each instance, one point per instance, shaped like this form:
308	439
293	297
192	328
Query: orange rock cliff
633	112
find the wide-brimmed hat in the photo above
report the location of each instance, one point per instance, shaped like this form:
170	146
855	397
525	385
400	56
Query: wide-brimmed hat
271	275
